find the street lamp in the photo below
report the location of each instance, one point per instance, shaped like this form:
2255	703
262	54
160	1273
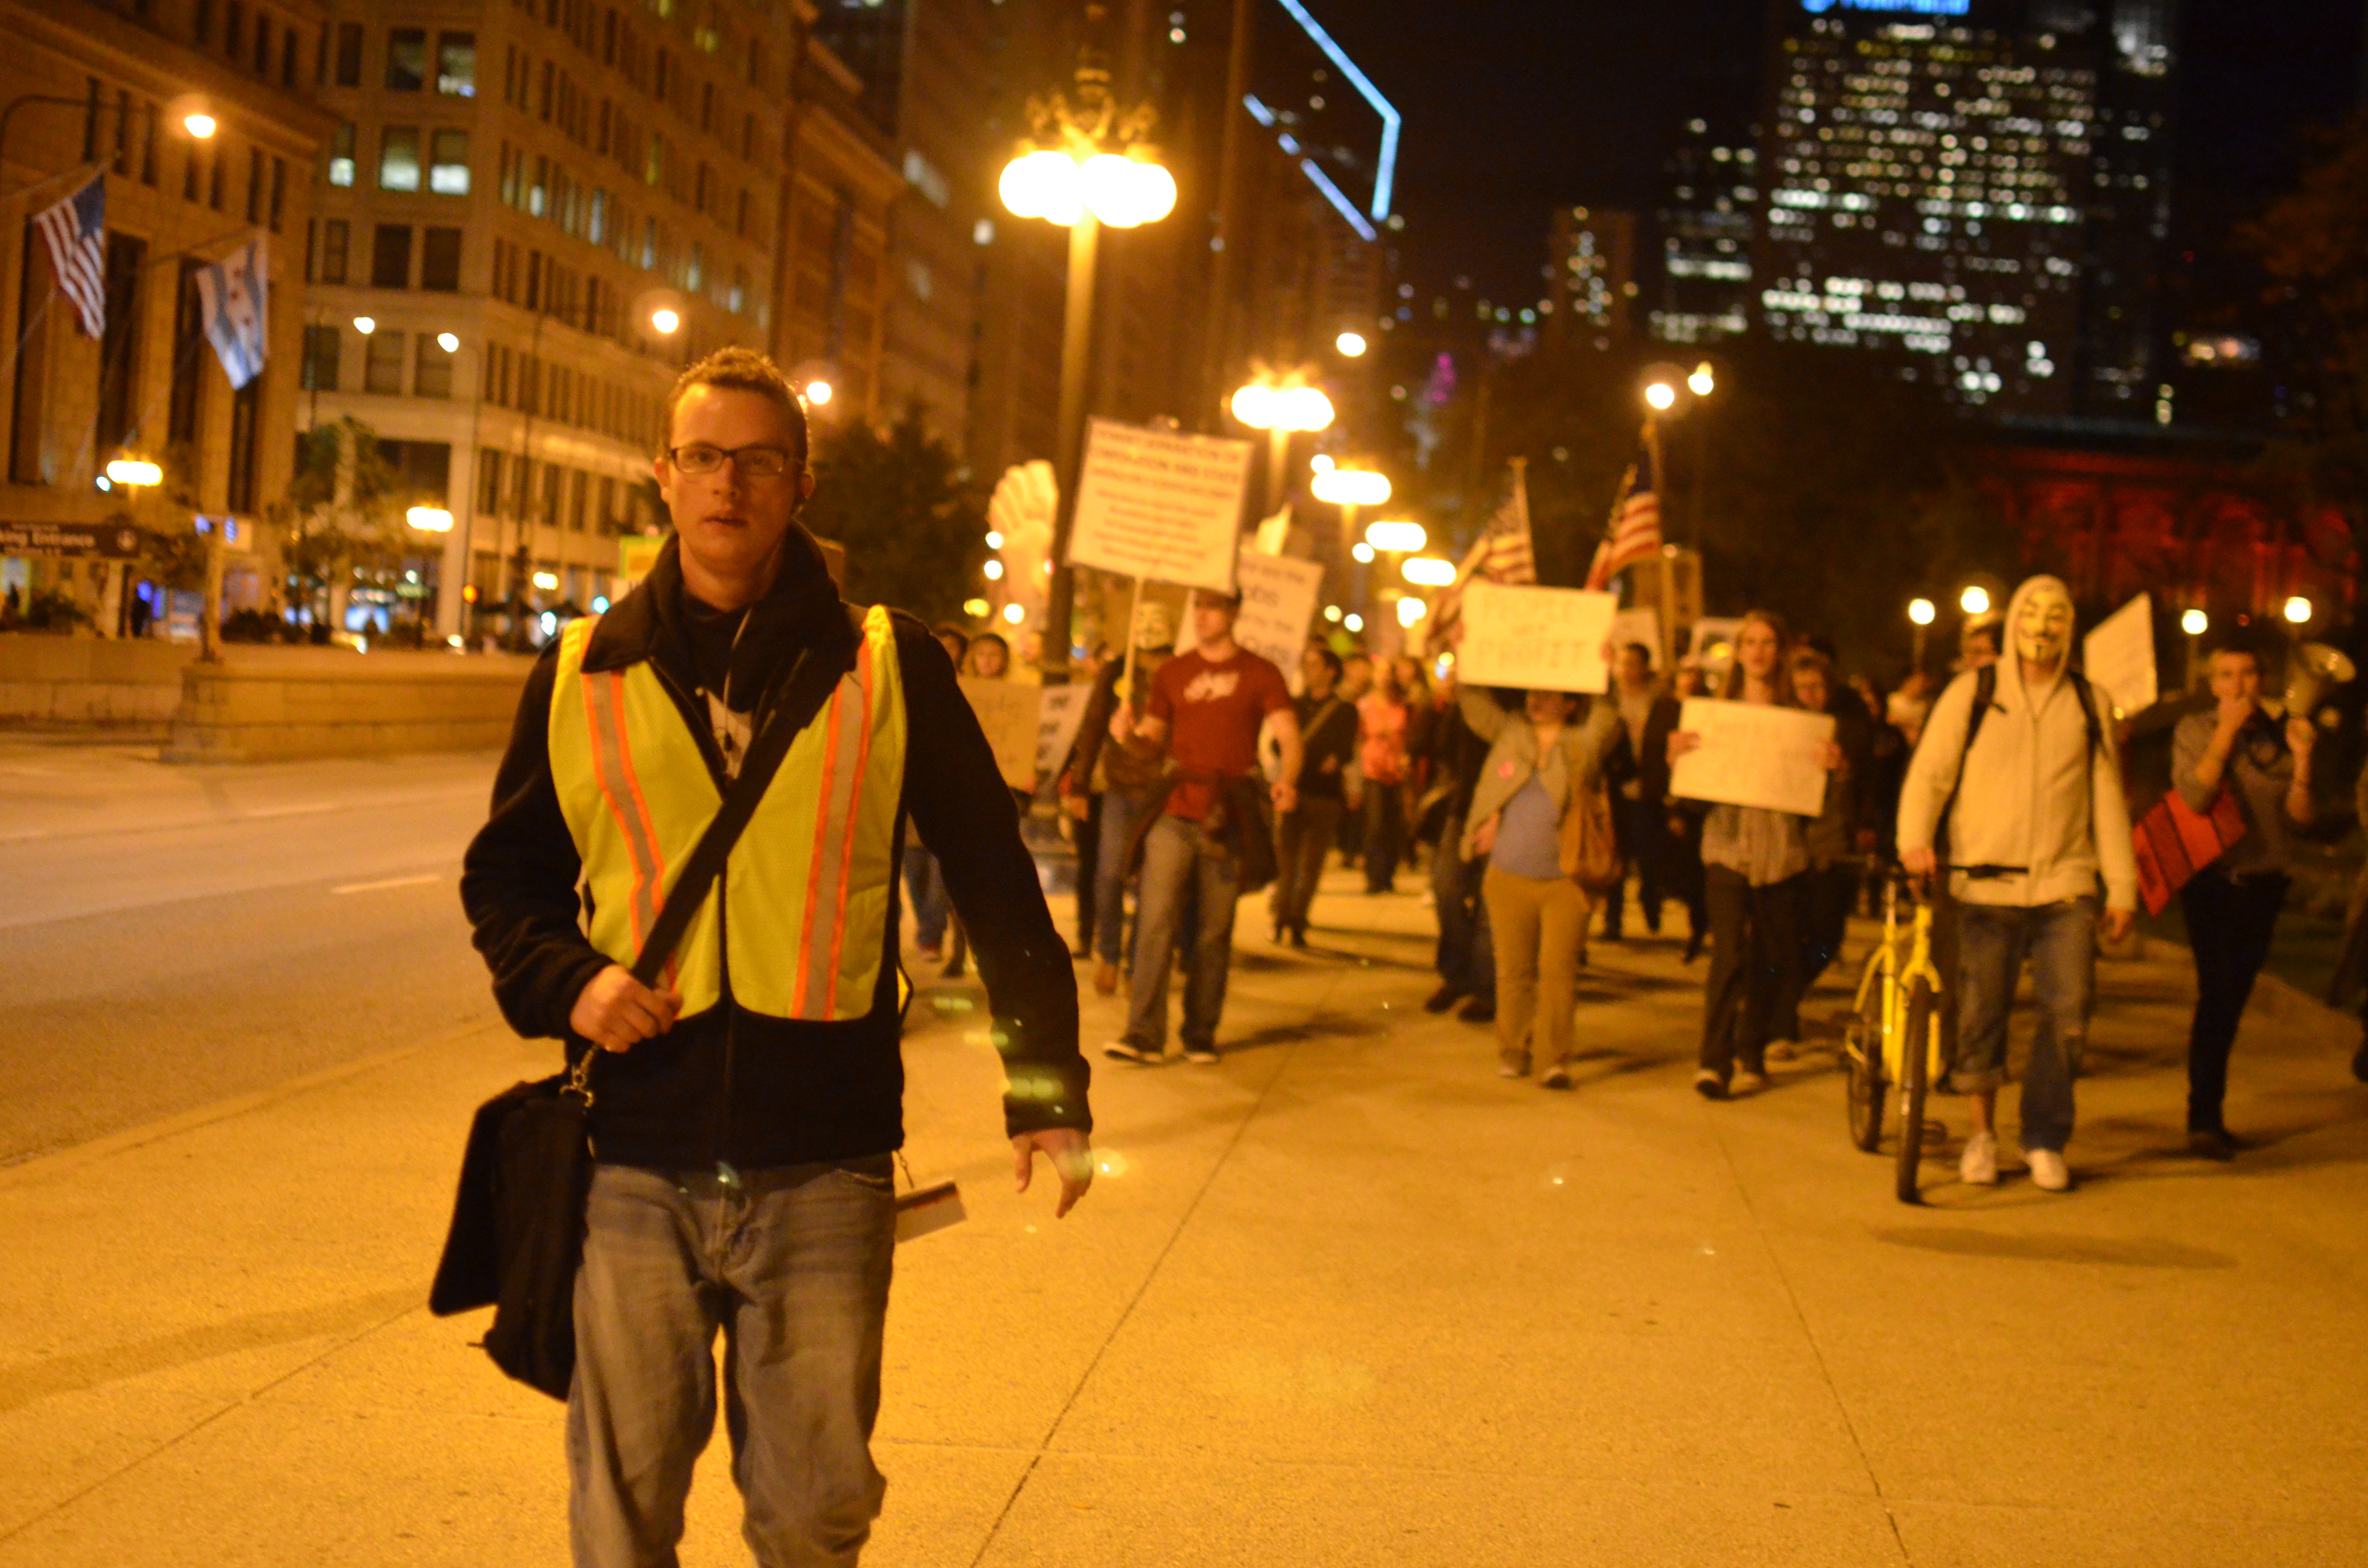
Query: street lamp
1427	571
2298	611
1975	600
818	392
1347	488
1661	396
430	519
1351	344
1701	383
1400	538
365	324
1281	407
134	471
1088	166
1666	389
665	322
2195	623
1922	612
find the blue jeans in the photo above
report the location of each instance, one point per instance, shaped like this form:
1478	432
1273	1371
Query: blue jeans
1122	815
792	1265
2060	940
1467	955
1181	865
925	883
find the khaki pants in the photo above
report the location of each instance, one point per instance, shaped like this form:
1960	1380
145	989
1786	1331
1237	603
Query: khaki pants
1541	932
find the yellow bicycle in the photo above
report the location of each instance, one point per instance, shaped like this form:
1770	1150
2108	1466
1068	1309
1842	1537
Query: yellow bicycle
1893	1033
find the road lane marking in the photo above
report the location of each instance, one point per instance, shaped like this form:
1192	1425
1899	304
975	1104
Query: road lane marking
389	882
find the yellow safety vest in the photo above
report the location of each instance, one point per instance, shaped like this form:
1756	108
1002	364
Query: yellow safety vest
806	889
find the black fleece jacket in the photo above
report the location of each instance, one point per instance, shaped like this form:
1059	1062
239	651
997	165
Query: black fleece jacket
731	1085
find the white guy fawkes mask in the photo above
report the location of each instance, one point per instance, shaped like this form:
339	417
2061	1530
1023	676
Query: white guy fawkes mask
2043	625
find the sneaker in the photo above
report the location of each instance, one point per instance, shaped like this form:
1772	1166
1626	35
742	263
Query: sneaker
1977	1166
1127	1051
2048	1172
1511	1069
1782	1050
1106	980
1479	1010
1440	1000
1200	1055
2212	1143
1555	1078
1747	1082
1710	1086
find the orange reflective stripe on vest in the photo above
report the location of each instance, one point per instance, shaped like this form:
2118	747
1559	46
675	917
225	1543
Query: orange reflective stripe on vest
823	936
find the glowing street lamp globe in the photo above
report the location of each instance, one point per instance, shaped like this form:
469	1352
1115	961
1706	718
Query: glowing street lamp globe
1975	600
1351	487
664	322
436	521
1661	395
2298	610
1351	344
134	471
1701	383
1262	406
1921	611
1428	571
2195	623
1399	538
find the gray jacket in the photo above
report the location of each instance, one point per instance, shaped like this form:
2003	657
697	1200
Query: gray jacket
1513	757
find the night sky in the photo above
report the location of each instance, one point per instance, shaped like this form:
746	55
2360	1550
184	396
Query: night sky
1513	106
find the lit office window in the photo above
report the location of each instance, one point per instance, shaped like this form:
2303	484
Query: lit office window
448	163
398	158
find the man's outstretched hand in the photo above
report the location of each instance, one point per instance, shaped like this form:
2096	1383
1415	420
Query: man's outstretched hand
1072	1157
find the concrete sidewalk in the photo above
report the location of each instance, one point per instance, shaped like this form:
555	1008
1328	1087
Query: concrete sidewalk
1346	1299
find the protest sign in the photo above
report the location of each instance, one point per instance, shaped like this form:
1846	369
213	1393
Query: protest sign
2119	656
1279	597
1534	639
1641	626
1160	506
1059	710
1007	712
1754	754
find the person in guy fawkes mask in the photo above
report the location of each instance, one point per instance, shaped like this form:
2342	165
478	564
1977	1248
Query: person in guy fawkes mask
2016	778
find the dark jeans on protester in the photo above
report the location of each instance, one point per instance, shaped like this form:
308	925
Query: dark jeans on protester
1825	898
925	884
1466	958
1755	949
1642	829
1303	838
2230	923
1384	836
1190	886
1122	815
2059	941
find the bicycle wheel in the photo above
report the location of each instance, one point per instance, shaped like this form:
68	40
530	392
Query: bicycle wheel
1862	1066
1915	1063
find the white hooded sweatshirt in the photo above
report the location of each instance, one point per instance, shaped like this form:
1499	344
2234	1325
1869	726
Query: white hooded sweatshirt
2034	793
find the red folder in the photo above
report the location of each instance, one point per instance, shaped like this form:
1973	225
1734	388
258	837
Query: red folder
2174	842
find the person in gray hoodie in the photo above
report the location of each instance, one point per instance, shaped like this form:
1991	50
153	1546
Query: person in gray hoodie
2015	773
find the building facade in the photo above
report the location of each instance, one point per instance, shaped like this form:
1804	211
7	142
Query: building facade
532	213
1927	186
1591	277
114	91
1709	227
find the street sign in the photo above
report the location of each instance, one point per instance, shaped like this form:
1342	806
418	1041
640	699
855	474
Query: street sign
117	542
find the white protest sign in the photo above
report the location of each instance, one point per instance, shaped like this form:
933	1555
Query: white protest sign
2120	656
1007	711
1535	638
1279	596
1753	753
1060	710
1160	506
1641	626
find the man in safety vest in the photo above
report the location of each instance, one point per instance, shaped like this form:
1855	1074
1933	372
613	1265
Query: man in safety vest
745	1122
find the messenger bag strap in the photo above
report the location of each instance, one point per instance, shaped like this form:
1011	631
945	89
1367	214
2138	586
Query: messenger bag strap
812	679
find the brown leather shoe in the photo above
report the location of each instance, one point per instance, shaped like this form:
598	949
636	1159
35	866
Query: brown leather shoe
1106	980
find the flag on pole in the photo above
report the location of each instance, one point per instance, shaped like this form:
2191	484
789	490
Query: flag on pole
75	231
1635	529
1501	555
234	294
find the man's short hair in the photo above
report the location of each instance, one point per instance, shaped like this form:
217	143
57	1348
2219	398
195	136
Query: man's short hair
2242	647
1331	660
742	370
1641	652
1231	601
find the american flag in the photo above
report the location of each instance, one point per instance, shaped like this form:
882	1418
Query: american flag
1501	555
76	231
1635	532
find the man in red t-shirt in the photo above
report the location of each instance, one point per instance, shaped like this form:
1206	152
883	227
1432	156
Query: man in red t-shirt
1207	706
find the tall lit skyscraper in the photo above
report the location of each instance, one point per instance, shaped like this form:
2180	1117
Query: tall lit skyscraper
1927	169
1708	224
1591	256
2122	322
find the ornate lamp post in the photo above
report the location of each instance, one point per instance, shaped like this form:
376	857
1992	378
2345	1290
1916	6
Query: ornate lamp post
1087	164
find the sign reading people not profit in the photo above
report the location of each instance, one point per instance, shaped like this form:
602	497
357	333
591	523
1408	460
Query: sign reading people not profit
1162	507
1535	638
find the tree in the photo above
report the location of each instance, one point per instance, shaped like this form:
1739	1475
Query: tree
912	518
343	510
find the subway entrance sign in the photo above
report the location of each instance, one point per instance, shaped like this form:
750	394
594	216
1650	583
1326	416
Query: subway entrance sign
113	541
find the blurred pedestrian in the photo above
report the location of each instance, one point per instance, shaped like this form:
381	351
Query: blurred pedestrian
1687	878
1384	718
2017	765
1638	770
2232	904
1356	684
1207	706
1131	785
745	1143
1755	863
1832	880
925	881
989	659
1079	795
1467	955
1538	765
1422	717
1304	834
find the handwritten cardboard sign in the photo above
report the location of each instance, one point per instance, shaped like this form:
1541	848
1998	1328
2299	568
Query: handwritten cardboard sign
1160	506
1753	753
1007	712
1535	638
2119	656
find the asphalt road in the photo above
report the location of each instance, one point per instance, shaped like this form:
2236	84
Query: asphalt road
172	936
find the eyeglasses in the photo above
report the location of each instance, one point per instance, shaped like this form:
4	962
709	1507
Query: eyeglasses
752	462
